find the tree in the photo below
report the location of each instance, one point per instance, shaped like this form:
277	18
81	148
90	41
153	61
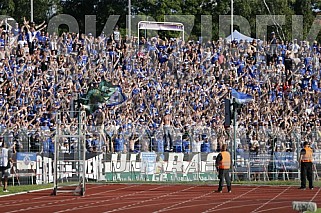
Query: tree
304	8
7	7
158	8
21	8
102	10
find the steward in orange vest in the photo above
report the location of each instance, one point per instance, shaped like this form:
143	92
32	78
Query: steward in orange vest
223	164
306	163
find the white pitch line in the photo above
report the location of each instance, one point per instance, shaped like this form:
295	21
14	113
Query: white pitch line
236	207
144	201
131	206
275	208
228	201
271	199
185	201
14	201
104	201
60	201
315	195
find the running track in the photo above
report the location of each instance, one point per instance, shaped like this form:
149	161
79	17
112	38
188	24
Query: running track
130	198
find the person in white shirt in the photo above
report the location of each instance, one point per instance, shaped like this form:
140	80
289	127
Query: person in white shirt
116	35
5	165
295	46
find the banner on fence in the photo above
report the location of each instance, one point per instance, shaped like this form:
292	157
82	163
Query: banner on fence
26	160
148	162
285	161
170	166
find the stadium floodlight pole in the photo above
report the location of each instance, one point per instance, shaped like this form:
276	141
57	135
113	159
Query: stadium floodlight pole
233	149
6	25
31	10
129	18
232	11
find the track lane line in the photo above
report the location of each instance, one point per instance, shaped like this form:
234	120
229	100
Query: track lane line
228	201
276	196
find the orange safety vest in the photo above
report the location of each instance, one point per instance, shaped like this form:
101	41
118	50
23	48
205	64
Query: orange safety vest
225	163
308	156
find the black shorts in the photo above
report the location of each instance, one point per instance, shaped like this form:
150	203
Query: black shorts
5	171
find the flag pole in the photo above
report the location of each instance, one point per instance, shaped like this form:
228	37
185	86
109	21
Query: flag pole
234	137
232	21
130	20
31	10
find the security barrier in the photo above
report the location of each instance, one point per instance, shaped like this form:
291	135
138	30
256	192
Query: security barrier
152	166
192	158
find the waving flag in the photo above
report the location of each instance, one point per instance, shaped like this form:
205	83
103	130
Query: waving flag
112	94
241	98
106	93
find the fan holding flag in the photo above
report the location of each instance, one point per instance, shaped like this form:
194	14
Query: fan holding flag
241	98
104	93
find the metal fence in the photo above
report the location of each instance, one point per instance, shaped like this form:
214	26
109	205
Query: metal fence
167	166
260	154
193	139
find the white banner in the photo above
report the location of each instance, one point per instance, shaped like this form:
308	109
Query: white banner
161	26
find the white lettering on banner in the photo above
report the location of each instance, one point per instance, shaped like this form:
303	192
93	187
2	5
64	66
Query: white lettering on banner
39	170
96	169
65	169
97	166
175	162
47	168
90	168
194	164
119	166
134	165
210	161
99	169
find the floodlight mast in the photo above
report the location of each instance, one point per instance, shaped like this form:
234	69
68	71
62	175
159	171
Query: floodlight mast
129	19
232	21
31	10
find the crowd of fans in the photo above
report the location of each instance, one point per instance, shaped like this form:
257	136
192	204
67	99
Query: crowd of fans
175	91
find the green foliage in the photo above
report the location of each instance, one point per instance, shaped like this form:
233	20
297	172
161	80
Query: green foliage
7	7
102	10
21	8
304	8
158	8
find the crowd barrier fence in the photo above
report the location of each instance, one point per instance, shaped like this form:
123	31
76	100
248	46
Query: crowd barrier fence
191	160
32	168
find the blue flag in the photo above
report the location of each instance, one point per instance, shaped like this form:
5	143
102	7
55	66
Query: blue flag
241	98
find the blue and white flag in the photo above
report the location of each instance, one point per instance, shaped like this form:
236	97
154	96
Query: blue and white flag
241	98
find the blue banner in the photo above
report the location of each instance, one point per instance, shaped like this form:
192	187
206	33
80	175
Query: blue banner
26	160
285	160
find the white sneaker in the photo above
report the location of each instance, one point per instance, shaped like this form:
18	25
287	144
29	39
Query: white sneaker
5	190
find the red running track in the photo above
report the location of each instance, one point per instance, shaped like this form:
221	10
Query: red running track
130	198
